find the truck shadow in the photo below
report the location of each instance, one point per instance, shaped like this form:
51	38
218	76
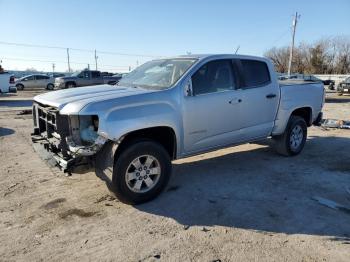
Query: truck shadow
256	189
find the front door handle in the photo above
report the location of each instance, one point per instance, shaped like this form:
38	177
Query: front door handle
270	95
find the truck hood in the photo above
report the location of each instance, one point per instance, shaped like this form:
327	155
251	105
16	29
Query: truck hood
77	98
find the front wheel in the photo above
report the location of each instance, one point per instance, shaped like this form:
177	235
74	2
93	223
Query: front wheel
140	172
292	141
20	87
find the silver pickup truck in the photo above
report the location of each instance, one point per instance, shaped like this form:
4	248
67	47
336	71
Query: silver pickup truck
169	109
85	78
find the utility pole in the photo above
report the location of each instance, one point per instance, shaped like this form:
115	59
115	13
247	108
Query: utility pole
294	26
96	59
53	68
68	60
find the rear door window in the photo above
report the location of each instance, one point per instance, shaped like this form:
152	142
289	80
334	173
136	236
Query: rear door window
255	73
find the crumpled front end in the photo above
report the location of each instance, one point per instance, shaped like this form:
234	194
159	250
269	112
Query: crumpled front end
71	140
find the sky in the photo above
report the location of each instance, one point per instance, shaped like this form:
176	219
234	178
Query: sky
144	29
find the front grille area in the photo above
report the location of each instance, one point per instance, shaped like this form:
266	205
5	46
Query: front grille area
51	126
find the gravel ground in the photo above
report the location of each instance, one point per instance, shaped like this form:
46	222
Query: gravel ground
243	203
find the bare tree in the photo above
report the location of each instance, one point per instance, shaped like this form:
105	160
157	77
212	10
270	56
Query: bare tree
279	57
325	56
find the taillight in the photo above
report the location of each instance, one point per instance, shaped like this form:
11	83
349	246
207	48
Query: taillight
12	80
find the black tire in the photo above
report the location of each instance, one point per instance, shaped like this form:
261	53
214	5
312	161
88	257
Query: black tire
20	87
123	162
70	85
283	143
50	87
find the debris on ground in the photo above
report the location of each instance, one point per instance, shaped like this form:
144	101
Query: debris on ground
13	185
157	256
25	112
335	123
331	204
204	229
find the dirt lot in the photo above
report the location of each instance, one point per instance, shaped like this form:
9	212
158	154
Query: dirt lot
241	203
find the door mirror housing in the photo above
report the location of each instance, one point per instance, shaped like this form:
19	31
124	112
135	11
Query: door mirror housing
188	88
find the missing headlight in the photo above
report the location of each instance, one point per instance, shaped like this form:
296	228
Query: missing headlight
88	128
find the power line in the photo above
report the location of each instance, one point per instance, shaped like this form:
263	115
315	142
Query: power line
59	62
280	37
78	49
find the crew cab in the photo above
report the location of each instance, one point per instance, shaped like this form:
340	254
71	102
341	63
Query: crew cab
85	78
173	108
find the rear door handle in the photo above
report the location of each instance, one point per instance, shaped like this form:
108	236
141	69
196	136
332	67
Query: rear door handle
270	95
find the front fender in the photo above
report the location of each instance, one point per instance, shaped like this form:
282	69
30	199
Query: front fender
117	123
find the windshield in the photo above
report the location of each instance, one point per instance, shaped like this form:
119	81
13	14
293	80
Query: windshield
76	73
157	74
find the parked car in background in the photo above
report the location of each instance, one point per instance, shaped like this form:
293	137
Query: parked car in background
169	109
7	83
328	82
309	78
35	81
344	86
85	78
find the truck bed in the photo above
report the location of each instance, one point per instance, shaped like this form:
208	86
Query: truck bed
295	82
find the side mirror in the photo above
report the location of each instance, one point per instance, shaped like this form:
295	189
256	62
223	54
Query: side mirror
188	88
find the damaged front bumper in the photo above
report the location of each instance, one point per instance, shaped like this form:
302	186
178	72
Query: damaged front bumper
56	134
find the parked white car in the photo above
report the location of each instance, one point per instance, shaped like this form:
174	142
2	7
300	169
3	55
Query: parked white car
35	81
7	83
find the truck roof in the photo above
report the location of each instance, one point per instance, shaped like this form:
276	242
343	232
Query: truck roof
204	56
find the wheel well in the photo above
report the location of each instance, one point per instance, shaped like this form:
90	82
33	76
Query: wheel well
163	135
71	82
305	113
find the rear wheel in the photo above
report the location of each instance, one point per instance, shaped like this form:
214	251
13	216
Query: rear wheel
140	172
20	87
292	141
50	87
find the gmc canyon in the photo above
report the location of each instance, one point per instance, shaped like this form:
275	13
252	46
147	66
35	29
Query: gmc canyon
173	108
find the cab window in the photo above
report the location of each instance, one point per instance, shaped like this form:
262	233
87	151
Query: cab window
214	76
